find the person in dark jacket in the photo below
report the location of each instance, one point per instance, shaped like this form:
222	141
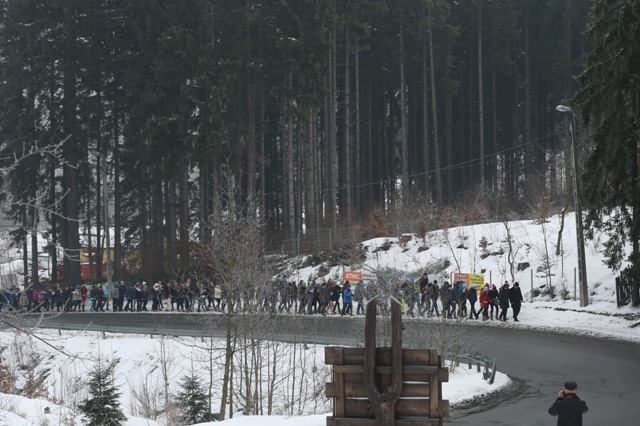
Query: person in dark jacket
493	295
503	298
446	297
335	297
515	297
472	297
568	407
323	299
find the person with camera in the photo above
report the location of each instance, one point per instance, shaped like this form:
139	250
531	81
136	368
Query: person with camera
568	406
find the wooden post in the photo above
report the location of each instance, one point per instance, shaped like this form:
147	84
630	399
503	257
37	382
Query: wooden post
383	403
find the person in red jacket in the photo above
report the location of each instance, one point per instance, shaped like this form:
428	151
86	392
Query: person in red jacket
485	301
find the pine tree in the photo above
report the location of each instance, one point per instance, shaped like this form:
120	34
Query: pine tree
192	401
102	408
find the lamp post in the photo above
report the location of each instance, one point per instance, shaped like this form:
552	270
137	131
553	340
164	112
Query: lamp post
582	265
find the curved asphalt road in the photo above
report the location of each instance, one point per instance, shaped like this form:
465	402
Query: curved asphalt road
607	372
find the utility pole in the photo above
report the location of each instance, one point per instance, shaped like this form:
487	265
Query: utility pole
582	265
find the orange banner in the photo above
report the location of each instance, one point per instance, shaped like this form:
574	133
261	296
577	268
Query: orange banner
352	276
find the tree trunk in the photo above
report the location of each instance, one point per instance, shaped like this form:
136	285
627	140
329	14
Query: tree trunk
117	195
332	169
480	98
290	189
449	174
370	142
158	227
434	112
635	223
25	249
357	165
311	217
171	224
71	241
35	278
425	122
54	226
347	133
99	250
528	160
184	214
403	124
495	169
142	223
251	125
203	200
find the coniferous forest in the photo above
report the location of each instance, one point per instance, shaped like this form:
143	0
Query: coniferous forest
312	115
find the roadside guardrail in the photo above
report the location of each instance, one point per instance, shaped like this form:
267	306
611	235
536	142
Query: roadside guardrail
484	364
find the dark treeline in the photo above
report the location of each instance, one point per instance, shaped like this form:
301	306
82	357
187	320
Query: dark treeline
315	112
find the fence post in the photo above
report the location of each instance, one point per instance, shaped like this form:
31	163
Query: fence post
531	286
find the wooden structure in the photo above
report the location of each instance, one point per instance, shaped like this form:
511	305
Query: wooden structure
624	288
386	386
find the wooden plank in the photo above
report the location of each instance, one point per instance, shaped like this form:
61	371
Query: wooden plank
356	390
443	409
435	395
402	408
384	379
443	375
372	422
380	378
339	401
331	421
434	357
383	356
414	370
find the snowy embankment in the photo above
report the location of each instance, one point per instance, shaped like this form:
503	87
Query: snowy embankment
64	360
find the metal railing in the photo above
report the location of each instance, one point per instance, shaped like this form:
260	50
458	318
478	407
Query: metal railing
484	364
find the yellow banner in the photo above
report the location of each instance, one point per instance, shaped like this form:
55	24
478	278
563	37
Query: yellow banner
468	279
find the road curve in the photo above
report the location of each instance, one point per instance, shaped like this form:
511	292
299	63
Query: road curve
607	372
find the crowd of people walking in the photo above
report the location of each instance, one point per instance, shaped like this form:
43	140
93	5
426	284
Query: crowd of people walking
423	297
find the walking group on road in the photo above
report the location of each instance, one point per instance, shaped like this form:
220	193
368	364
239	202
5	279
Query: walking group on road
423	297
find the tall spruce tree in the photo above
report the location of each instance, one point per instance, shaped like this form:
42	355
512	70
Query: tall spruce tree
102	407
609	101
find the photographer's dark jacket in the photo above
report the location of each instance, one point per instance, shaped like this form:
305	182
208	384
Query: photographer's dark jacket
569	410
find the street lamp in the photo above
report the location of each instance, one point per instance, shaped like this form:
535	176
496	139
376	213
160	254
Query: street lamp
582	265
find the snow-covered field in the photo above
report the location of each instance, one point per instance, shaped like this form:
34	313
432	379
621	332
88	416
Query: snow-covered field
470	249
